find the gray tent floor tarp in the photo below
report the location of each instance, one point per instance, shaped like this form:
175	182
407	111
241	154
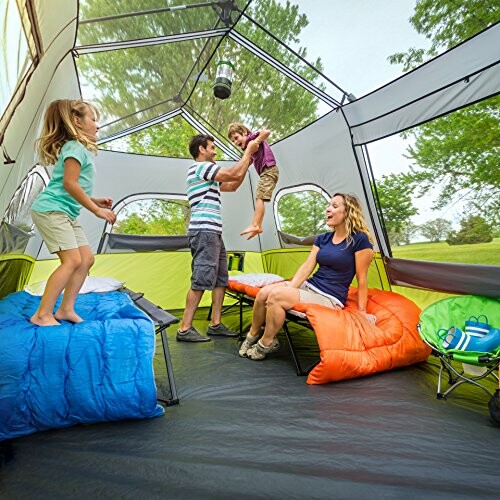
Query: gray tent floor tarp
246	429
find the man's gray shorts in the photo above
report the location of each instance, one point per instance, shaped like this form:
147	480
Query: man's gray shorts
209	264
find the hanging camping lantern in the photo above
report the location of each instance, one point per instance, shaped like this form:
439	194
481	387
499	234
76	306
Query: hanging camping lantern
223	79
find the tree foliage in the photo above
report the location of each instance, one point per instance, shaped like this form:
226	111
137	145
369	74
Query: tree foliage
446	23
407	234
473	229
396	203
145	82
169	138
154	217
457	152
303	213
435	230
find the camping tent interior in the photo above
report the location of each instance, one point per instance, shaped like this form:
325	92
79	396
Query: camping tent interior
241	428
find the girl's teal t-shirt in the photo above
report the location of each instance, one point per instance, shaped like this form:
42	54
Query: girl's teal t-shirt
54	198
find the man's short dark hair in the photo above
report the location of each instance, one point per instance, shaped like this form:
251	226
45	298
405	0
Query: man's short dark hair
197	141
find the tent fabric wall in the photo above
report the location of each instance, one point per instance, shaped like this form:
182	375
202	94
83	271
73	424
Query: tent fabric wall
21	136
54	78
120	175
164	277
320	154
15	271
465	74
446	276
53	20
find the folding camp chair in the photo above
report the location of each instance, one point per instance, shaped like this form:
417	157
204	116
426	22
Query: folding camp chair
475	366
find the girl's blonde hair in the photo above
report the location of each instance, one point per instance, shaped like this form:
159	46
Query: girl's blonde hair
354	218
59	127
237	128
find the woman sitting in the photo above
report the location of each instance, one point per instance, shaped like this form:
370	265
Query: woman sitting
340	254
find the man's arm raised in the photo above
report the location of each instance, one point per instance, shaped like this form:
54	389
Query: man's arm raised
231	178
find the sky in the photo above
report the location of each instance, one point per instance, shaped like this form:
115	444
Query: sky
354	39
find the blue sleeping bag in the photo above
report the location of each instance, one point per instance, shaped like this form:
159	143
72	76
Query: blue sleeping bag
96	371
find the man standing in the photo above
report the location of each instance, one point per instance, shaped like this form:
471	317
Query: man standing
205	181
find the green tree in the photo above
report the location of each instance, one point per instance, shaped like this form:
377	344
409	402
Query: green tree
473	229
303	213
169	138
132	224
154	217
145	82
457	152
408	232
435	230
446	23
395	197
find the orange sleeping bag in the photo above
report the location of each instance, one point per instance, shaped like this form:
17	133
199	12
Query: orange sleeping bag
350	346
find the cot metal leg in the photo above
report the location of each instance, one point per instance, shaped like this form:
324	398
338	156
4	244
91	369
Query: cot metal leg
161	321
174	400
224	309
298	366
241	337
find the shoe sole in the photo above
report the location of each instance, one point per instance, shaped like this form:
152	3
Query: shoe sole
192	340
223	335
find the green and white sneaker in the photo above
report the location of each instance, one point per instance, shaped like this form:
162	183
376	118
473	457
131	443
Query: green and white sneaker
246	344
258	351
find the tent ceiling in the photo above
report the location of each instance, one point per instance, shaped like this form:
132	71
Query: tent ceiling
143	64
105	22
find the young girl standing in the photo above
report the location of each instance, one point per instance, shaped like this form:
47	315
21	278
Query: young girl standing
68	142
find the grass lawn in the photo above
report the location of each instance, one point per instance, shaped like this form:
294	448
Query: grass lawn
480	253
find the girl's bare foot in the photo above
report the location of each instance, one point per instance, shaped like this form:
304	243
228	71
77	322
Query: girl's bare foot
44	320
70	316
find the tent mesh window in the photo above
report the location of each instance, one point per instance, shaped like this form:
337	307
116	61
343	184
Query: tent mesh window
149	222
307	200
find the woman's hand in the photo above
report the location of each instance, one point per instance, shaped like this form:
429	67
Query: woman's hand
372	319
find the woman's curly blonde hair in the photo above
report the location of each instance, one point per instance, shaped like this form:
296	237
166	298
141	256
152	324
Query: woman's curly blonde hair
354	218
59	127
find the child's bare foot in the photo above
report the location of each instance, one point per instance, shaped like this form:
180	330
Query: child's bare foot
70	316
44	320
254	233
251	229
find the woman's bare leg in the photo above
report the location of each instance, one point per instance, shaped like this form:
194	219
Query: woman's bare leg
259	308
278	302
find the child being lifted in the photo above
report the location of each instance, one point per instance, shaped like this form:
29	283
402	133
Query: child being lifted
265	165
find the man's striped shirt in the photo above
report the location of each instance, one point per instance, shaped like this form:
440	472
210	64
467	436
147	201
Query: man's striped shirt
204	197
